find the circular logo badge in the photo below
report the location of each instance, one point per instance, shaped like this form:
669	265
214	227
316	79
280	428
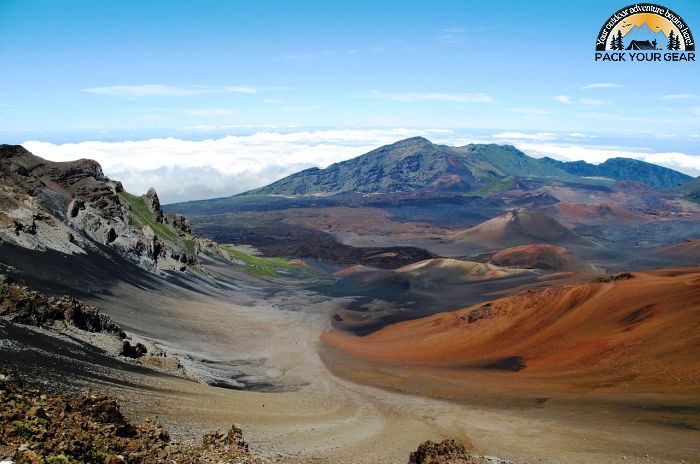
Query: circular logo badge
645	27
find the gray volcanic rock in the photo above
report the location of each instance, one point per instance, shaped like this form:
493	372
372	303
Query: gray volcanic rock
20	304
73	208
153	204
179	222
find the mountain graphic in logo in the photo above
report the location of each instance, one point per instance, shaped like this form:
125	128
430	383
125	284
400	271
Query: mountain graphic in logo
643	34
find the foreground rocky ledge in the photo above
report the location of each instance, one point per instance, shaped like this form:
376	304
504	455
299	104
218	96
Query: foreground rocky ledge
59	429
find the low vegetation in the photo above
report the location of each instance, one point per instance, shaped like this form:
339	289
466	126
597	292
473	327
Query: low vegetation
265	267
142	216
498	186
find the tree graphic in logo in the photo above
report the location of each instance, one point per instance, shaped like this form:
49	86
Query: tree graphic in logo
616	42
674	42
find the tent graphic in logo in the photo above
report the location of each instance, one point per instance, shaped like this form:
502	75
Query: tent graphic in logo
645	26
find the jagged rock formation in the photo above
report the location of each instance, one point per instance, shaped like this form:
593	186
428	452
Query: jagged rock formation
153	204
19	304
179	222
73	208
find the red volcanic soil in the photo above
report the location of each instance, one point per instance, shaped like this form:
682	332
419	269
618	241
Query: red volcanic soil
547	257
595	214
686	251
637	333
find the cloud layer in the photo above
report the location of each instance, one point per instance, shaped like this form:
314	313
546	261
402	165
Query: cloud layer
183	170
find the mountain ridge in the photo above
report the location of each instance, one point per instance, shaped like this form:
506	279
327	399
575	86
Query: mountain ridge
618	168
416	164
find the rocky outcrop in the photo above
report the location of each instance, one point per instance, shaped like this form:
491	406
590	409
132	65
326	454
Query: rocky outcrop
71	207
39	428
133	351
448	452
20	304
153	204
179	222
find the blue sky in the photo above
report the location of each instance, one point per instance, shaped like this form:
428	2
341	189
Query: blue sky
76	71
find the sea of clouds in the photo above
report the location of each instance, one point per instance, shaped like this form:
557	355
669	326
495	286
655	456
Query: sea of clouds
182	170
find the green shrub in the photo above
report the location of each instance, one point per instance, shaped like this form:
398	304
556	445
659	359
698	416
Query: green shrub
24	428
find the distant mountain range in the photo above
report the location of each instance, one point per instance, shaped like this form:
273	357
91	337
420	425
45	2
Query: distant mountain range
416	164
624	169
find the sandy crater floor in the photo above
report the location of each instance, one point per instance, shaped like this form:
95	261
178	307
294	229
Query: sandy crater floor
315	415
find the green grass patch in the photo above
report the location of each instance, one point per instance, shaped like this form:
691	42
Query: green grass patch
498	186
189	245
142	216
263	267
62	459
24	428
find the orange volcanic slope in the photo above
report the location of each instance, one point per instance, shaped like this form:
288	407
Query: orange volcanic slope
640	334
547	257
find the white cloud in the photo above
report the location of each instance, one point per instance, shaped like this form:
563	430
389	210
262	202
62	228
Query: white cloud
523	136
593	101
563	99
451	35
160	90
678	96
601	85
579	135
432	96
185	170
